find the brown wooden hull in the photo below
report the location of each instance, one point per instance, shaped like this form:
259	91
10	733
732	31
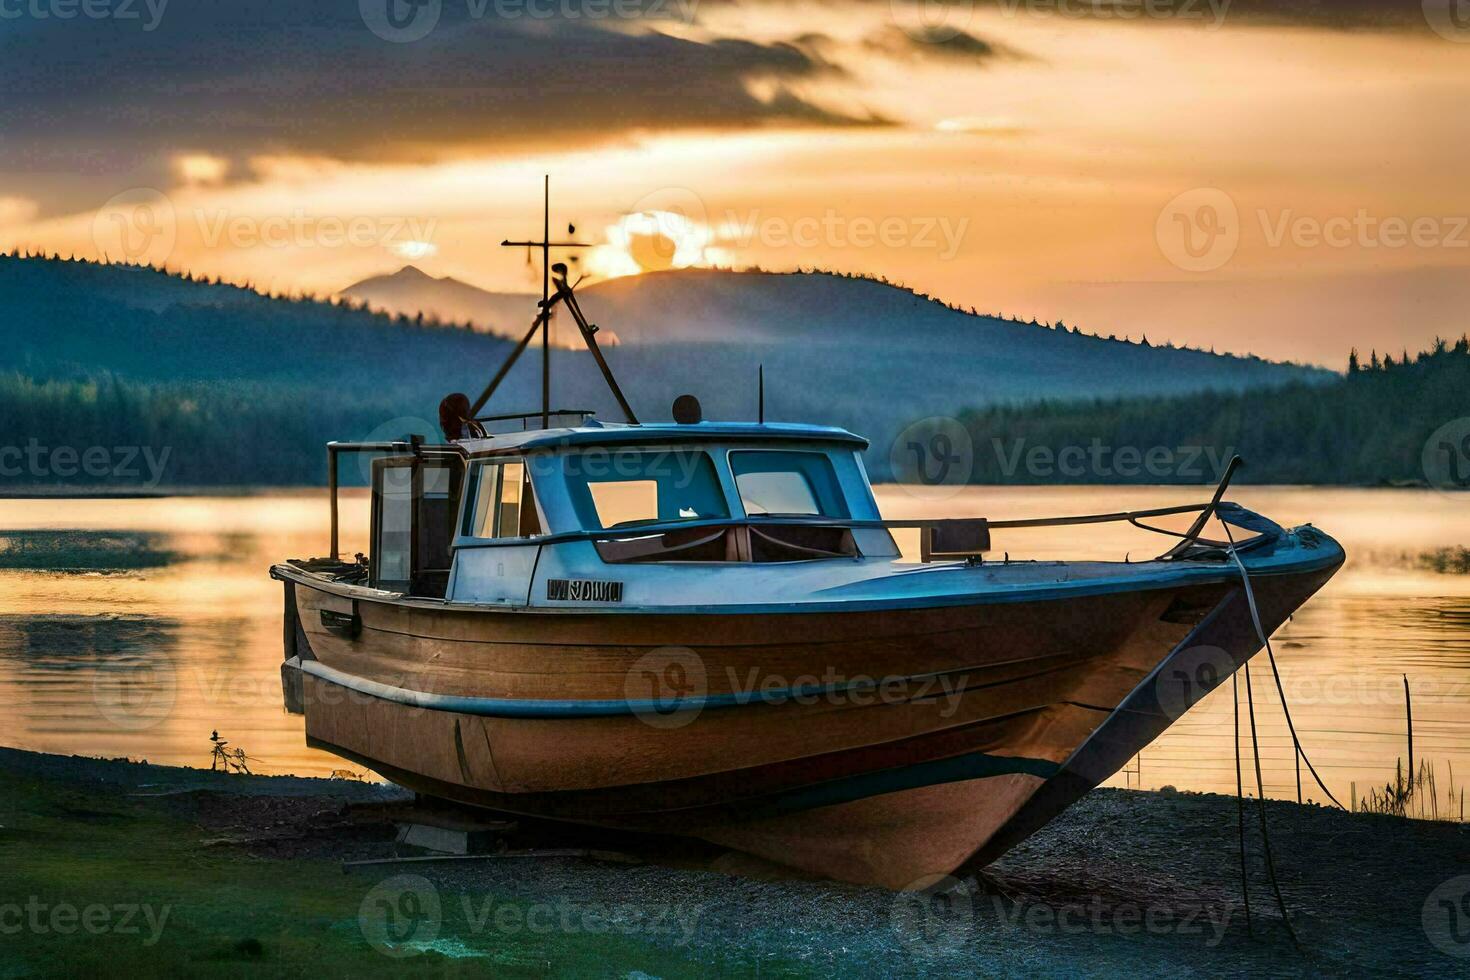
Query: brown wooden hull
983	710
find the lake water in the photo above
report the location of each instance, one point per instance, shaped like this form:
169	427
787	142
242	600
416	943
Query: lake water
181	635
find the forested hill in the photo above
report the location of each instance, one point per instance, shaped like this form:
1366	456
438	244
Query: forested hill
1394	421
246	389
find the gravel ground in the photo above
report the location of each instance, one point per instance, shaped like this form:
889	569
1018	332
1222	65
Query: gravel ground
1146	884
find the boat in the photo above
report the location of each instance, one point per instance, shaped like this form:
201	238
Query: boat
706	628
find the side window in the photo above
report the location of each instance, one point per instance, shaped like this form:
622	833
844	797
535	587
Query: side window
500	503
393	550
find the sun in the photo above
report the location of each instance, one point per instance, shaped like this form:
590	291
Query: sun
650	241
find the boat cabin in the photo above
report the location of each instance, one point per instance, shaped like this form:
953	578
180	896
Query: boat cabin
485	520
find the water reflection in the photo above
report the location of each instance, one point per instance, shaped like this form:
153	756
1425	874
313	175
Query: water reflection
83	550
146	660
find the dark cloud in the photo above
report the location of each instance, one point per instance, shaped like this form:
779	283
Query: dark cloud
241	78
934	41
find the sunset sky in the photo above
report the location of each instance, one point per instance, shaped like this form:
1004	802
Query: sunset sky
1238	175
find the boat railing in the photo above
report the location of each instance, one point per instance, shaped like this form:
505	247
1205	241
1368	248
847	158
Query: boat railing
945	538
337	449
577	417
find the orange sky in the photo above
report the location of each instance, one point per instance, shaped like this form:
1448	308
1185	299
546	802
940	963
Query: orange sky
1283	190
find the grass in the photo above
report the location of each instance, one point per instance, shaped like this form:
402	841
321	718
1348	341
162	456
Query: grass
1417	798
218	911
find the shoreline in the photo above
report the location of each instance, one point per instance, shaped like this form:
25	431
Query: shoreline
1125	881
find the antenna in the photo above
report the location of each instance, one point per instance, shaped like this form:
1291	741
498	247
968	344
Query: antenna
761	394
544	318
557	273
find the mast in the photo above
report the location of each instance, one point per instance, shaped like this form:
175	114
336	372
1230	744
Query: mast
546	245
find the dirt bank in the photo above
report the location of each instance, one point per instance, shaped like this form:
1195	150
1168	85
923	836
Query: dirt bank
224	873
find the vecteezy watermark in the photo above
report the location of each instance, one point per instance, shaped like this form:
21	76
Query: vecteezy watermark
1446	456
935	912
41	918
403	916
932	459
1213	11
1184	680
1446	917
667	687
1450	19
932	21
567	917
1199	230
137	692
118	464
1364	230
1098	460
143	225
137	225
939	234
148	14
1098	918
405	21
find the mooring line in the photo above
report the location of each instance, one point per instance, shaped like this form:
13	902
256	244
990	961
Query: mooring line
1245	888
1250	598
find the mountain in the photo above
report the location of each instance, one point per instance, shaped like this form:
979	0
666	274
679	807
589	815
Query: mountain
247	388
411	291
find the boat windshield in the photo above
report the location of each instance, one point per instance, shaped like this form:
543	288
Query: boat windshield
787	484
624	488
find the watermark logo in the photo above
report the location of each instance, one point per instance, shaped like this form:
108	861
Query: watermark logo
136	694
1184	680
1446	917
1199	230
935	912
933	459
1446	456
401	915
396	430
932	21
139	225
401	21
666	687
1450	19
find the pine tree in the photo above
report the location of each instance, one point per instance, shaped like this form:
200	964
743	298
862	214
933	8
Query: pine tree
1353	366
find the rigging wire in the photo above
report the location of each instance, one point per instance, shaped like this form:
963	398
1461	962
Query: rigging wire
1250	598
1261	810
1245	890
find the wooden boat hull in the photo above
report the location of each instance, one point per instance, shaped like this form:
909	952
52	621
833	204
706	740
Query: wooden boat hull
873	746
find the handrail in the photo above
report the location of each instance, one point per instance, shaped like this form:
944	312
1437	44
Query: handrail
664	527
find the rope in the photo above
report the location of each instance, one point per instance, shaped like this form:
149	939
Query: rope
1250	598
1261	809
1245	891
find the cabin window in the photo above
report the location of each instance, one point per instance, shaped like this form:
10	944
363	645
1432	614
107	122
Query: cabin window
501	504
787	484
624	488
